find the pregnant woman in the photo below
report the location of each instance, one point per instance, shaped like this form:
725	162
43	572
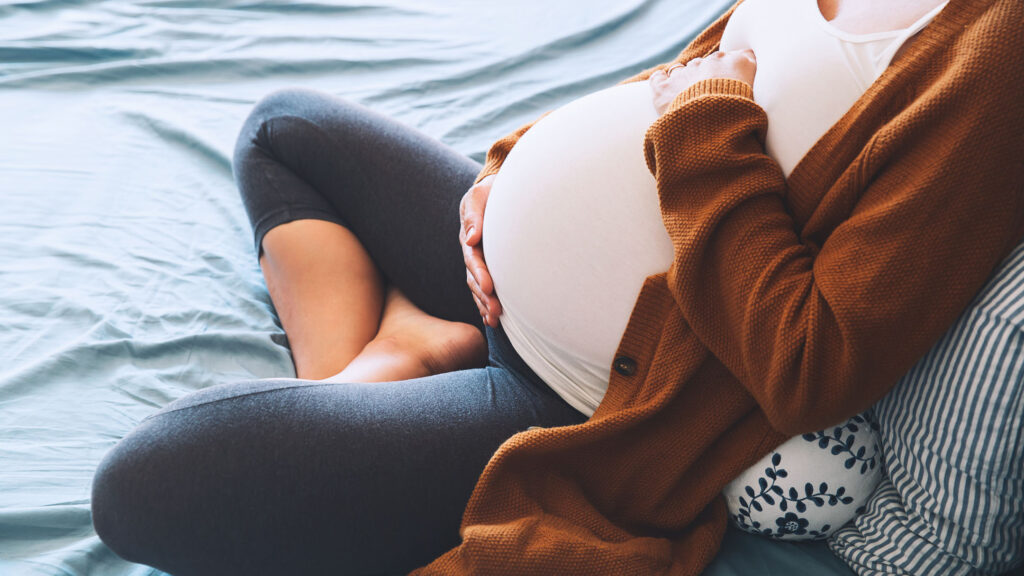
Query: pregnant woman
830	184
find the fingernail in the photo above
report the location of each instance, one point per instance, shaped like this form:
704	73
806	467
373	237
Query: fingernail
470	231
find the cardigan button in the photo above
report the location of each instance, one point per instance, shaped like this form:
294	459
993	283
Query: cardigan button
625	365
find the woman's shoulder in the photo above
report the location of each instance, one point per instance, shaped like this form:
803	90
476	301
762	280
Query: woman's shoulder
988	50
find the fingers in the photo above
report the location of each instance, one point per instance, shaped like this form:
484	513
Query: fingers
745	53
474	257
472	206
478	278
737	64
717	55
473	252
471	211
488	307
474	289
469	215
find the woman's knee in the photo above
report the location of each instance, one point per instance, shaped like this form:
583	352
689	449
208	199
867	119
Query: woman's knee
154	500
120	501
307	105
254	132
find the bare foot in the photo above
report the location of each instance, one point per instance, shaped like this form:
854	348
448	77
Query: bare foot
411	344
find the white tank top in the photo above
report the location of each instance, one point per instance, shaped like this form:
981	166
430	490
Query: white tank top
568	260
809	73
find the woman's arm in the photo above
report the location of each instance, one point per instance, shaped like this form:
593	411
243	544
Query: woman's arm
819	335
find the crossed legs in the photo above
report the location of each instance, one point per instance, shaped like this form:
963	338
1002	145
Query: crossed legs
365	471
344	323
347	206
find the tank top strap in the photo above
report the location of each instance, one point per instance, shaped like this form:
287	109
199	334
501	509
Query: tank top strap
883	58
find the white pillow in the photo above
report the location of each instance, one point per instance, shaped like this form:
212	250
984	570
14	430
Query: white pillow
810	485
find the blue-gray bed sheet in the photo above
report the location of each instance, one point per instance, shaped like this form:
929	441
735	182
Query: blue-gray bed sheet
126	263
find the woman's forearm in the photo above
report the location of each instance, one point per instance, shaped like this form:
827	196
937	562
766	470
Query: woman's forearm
818	334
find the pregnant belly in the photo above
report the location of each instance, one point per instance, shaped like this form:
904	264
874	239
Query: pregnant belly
572	229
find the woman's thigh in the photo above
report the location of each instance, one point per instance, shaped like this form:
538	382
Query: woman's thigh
301	477
307	154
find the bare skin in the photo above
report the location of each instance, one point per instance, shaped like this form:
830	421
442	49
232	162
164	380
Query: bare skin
344	323
412	343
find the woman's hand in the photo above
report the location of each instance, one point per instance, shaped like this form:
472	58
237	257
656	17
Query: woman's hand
471	213
668	83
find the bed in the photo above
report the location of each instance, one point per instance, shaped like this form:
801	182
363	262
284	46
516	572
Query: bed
127	271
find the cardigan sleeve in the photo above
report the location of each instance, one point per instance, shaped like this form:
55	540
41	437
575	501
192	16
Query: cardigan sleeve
818	335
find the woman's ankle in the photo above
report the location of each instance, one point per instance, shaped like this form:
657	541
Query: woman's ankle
382	360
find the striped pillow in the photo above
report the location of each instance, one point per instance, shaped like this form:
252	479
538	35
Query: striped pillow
952	436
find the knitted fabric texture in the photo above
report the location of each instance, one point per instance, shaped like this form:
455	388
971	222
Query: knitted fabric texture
791	305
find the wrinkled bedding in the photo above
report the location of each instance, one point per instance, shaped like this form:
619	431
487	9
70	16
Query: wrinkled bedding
126	264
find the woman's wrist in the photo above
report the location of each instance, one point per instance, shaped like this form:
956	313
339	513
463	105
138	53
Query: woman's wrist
712	87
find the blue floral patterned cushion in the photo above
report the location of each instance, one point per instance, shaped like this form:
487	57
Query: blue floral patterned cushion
952	437
810	485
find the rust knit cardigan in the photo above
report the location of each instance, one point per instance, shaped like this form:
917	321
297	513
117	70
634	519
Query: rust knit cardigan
790	305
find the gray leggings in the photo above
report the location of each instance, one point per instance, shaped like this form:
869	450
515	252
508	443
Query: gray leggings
282	476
